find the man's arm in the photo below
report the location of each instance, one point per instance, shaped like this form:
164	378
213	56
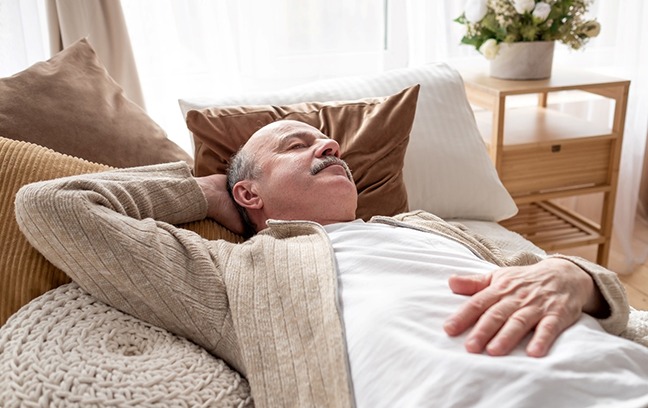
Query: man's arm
548	296
111	233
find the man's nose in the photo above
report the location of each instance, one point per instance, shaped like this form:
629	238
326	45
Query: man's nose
328	147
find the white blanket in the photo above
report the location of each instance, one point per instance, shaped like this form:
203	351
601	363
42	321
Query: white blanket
400	356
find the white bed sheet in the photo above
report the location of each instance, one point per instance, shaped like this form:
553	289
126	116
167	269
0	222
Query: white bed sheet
400	356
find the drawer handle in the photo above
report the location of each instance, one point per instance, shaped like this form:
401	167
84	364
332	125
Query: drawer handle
555	148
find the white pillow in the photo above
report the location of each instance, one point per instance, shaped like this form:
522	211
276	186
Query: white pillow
447	170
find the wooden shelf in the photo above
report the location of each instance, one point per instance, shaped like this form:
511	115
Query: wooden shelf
552	227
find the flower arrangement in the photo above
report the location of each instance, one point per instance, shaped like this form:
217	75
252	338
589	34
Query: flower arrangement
491	22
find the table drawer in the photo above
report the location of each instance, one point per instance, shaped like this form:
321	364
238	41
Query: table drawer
542	168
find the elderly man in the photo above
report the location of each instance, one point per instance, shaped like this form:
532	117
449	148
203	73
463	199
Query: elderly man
320	309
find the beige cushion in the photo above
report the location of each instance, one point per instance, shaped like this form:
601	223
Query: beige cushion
70	104
24	273
372	133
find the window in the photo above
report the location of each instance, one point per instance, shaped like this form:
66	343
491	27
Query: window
23	35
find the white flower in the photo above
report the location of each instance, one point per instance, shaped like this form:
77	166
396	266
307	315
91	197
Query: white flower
541	12
489	49
475	10
512	21
523	6
591	28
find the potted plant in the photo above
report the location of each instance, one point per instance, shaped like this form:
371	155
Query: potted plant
518	36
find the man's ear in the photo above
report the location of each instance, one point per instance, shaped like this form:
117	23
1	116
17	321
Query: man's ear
246	196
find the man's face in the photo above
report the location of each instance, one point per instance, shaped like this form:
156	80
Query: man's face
302	177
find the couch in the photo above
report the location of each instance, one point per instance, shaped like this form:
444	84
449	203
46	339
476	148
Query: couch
409	135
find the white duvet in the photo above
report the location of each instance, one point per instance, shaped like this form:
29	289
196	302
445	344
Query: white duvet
400	356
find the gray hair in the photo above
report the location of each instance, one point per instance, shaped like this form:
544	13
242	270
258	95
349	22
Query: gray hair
243	166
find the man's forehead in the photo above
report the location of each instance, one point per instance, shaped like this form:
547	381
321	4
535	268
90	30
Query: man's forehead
292	126
300	132
280	131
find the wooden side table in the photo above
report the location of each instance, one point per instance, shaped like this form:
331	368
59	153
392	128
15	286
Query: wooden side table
542	154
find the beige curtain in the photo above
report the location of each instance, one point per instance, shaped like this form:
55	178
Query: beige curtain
102	22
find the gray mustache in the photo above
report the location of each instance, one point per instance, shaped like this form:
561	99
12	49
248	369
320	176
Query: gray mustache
330	161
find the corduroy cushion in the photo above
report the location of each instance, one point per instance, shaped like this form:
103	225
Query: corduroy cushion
372	133
24	273
70	104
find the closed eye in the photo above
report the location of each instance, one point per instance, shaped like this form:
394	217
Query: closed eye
297	146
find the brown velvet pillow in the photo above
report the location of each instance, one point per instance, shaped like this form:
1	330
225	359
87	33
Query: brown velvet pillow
70	104
372	133
24	273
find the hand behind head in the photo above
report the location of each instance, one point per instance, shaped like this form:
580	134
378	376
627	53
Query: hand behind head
220	206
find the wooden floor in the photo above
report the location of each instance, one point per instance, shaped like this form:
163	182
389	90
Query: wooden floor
636	283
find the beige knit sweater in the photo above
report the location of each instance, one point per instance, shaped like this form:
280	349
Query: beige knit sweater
268	307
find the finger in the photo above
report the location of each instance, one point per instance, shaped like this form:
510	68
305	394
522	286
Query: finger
518	325
469	285
490	322
470	312
545	335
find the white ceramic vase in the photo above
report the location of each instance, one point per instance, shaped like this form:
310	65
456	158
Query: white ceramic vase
523	60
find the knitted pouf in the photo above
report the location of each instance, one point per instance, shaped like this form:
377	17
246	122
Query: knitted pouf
67	349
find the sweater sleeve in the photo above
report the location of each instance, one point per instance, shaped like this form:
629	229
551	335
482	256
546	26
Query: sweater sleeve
111	233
